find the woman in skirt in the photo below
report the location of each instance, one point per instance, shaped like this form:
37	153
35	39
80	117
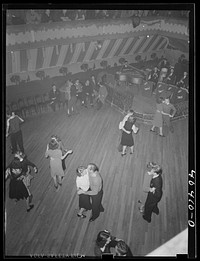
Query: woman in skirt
17	187
55	153
82	182
127	137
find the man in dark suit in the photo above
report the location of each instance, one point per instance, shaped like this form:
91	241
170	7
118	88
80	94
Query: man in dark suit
154	194
13	129
54	96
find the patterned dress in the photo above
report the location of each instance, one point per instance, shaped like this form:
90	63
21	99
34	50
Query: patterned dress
55	162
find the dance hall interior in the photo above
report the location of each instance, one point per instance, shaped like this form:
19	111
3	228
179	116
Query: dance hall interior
117	62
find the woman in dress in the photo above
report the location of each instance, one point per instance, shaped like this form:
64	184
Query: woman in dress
128	127
82	182
25	165
55	153
158	118
62	148
17	187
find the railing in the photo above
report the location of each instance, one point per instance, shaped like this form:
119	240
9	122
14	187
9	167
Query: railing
123	102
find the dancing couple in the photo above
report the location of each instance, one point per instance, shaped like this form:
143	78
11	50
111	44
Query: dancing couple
57	154
153	184
90	190
164	112
108	244
127	125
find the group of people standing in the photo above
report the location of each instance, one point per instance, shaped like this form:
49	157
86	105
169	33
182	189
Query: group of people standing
73	94
19	169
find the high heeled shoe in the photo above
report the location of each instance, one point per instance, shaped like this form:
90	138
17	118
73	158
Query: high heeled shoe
123	154
81	215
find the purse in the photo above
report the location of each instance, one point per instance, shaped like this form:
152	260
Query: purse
119	148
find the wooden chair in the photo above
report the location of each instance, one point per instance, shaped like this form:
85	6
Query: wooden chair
39	102
161	88
147	89
46	101
31	105
23	107
15	108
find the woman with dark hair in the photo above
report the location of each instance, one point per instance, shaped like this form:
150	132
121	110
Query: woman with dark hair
122	249
106	243
128	127
55	153
154	194
17	187
82	182
102	243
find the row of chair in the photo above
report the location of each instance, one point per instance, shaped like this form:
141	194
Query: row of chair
29	105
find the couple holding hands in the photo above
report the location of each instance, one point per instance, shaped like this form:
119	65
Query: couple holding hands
90	190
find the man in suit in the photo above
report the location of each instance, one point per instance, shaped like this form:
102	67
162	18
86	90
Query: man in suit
101	96
14	130
96	192
54	96
154	194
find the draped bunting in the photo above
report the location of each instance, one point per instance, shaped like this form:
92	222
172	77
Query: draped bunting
66	54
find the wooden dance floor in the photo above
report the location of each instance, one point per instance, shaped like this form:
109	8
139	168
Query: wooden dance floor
52	227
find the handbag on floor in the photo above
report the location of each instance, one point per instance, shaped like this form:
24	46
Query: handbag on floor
119	148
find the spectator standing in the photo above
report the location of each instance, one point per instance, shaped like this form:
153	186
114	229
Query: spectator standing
89	92
14	130
72	107
168	112
54	96
102	94
154	75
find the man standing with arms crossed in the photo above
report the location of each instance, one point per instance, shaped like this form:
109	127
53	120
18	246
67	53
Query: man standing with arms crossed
96	192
